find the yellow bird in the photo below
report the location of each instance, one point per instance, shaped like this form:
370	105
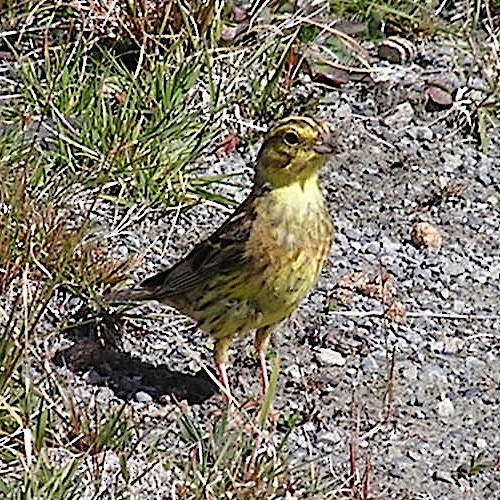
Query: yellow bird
253	272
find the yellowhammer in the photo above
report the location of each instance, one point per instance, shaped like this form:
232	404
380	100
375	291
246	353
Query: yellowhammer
252	273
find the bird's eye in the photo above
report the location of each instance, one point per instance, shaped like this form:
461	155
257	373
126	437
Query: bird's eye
291	138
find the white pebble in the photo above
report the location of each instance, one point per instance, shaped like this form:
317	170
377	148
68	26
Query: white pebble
445	408
330	437
481	443
331	357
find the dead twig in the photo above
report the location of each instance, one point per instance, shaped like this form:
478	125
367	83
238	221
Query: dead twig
418	314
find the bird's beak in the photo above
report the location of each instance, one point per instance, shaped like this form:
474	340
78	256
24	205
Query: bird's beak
327	145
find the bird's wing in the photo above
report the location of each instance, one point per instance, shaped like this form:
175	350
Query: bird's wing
220	254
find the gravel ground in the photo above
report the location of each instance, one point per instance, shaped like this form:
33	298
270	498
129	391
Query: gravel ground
425	386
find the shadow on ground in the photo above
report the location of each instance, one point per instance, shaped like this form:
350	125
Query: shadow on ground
128	376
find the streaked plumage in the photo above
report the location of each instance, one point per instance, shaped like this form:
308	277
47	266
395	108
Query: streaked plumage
252	273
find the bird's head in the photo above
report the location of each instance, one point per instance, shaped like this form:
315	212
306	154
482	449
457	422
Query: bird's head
294	150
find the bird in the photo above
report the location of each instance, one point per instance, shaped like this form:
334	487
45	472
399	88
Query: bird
255	269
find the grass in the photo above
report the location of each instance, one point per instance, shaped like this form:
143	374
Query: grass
105	128
84	119
395	17
244	462
120	106
483	34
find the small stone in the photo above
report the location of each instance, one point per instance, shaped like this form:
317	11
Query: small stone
390	245
401	116
481	443
229	33
390	135
352	234
294	372
474	364
377	195
309	427
356	245
94	378
396	312
453	345
491	357
453	269
421	133
452	160
239	14
438	98
372	247
443	476
397	50
369	364
445	408
343	111
398	470
423	274
330	357
436	346
104	395
479	84
410	372
330	437
481	276
492	200
143	397
425	234
483	175
414	338
436	376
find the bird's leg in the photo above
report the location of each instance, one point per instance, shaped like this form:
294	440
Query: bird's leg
221	357
262	337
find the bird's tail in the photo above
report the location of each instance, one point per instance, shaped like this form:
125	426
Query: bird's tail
127	295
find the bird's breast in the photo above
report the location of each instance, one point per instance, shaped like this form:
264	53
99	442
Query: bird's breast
290	241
